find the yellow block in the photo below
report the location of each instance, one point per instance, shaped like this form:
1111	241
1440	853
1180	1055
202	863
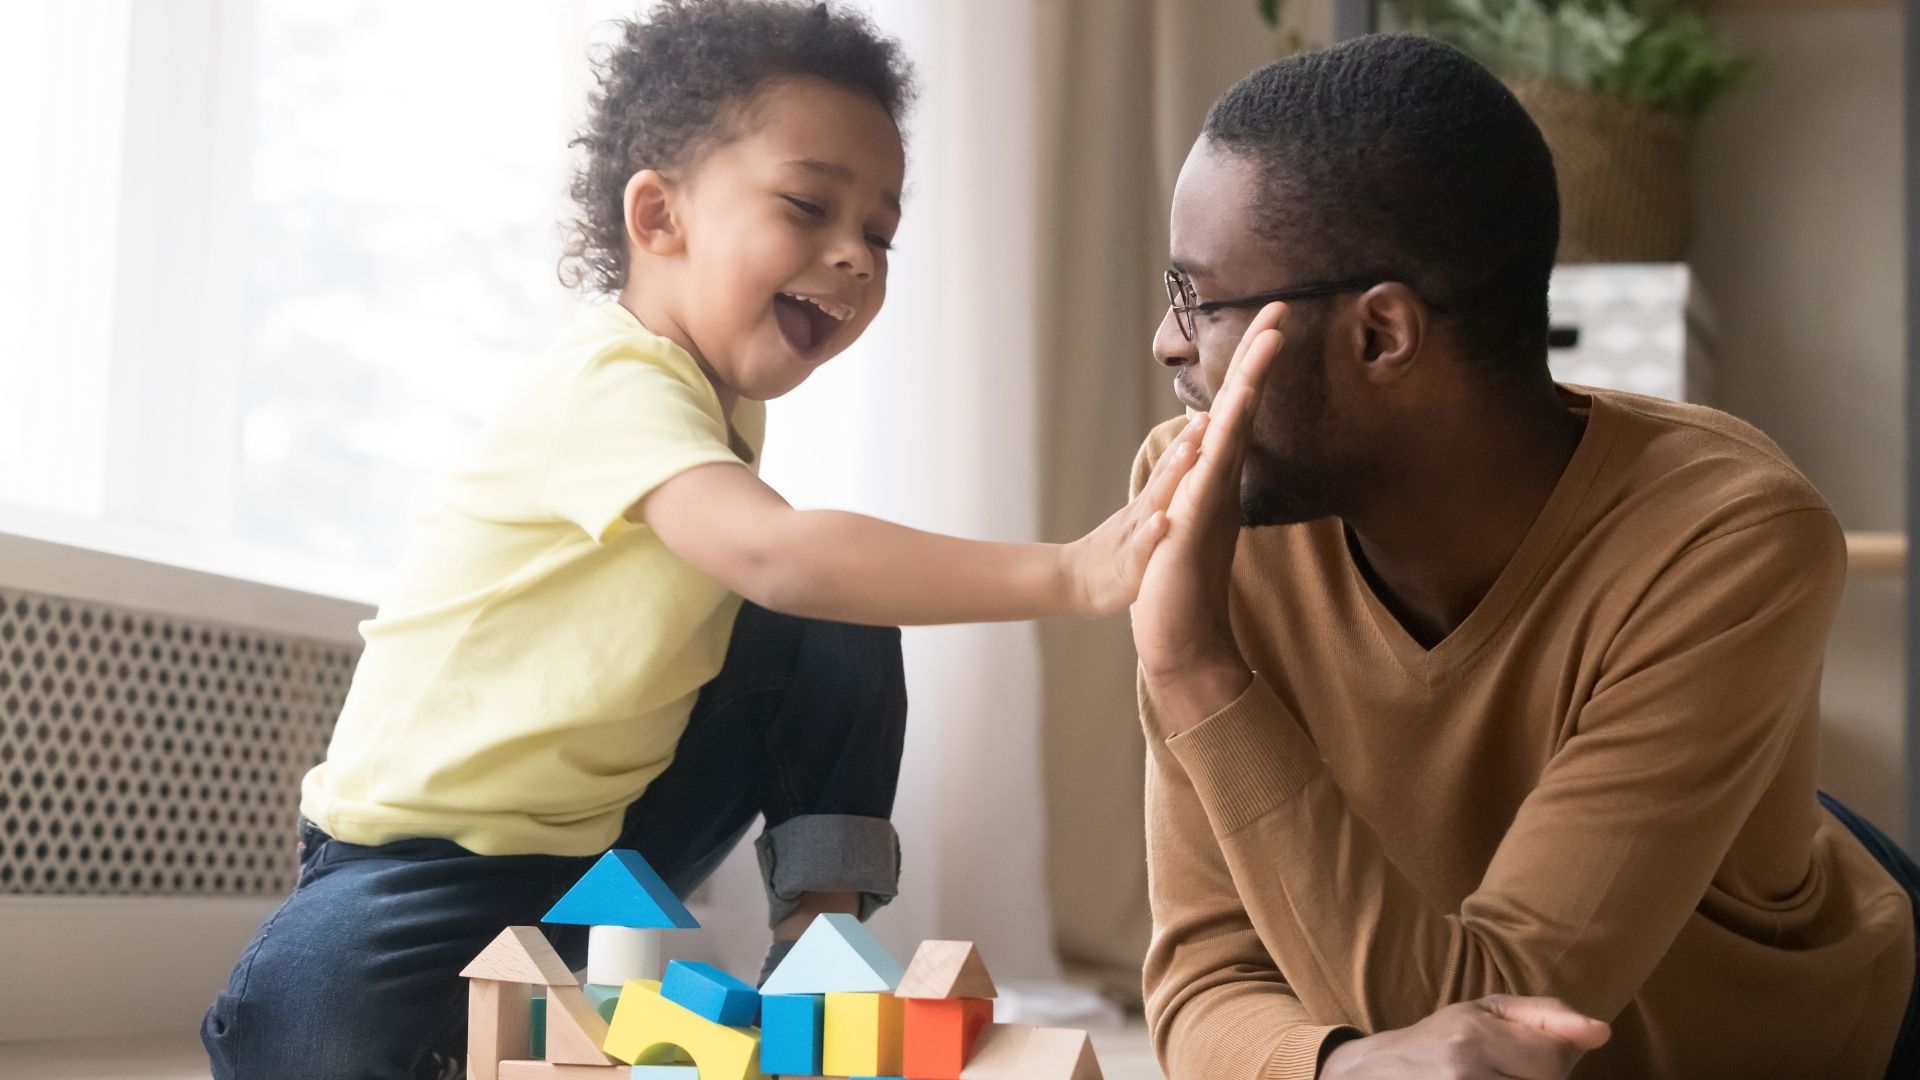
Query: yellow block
647	1029
863	1035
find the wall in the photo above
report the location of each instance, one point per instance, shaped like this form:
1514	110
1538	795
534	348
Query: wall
1800	247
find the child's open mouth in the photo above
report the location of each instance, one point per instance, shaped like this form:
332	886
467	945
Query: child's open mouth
807	321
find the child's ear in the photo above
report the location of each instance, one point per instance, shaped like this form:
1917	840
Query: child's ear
652	226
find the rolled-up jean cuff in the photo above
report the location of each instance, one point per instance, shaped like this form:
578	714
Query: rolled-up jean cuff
829	853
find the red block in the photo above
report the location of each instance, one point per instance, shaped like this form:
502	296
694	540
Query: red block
939	1035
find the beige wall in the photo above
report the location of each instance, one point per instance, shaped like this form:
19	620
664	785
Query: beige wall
1800	247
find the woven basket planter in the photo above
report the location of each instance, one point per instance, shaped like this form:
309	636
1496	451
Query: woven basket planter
1625	172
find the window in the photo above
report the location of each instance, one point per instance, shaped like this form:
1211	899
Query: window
269	264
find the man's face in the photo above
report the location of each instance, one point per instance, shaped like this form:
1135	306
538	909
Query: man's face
1294	470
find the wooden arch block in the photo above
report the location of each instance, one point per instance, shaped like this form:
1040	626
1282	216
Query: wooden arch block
648	1029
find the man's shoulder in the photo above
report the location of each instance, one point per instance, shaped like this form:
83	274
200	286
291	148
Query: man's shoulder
1702	470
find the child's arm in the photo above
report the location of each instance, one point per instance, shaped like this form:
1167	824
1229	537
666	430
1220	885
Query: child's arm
826	564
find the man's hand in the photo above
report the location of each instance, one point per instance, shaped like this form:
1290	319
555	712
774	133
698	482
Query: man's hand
1105	566
1180	625
1524	1038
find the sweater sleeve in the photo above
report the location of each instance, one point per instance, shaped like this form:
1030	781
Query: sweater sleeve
1701	693
1218	1006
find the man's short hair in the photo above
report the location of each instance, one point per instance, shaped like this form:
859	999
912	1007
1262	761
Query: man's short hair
1401	157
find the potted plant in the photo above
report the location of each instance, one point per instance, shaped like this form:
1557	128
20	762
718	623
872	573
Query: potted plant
1617	87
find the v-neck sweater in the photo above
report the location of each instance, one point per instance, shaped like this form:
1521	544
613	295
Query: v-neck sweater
1599	786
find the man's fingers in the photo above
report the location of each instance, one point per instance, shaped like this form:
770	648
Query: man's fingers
1524	1052
1271	317
1167	472
1549	1015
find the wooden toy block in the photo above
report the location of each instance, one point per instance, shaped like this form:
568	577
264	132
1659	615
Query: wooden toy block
710	992
650	1030
521	954
497	1017
575	1030
621	890
665	1072
938	1035
604	998
537	1029
862	1035
619	954
1014	1052
946	969
547	1070
791	1028
837	955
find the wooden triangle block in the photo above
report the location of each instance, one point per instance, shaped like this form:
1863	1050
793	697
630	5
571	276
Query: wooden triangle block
1013	1052
946	970
521	954
574	1028
837	955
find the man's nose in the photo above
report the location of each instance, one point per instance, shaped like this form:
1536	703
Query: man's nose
1170	346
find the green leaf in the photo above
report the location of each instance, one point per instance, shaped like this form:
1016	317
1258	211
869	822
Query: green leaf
1650	52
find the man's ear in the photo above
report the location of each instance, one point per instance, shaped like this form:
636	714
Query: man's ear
653	224
1393	327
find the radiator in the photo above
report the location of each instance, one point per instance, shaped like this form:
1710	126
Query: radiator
154	726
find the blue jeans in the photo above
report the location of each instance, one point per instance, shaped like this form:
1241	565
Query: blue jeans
1906	1047
356	976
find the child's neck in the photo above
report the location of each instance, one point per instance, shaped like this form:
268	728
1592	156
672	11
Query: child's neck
650	306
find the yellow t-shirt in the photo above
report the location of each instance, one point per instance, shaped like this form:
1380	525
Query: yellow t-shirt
534	666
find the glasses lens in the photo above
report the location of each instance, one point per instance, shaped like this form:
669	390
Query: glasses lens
1180	299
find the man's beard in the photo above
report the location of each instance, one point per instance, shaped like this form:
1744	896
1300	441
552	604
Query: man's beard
1298	483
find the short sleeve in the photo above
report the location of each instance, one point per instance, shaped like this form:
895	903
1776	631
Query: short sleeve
625	425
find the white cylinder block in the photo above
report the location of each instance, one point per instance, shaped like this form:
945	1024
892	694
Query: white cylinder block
618	953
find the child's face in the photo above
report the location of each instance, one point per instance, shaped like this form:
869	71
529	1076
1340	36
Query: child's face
786	234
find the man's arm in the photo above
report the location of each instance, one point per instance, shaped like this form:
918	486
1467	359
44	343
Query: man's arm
1216	1004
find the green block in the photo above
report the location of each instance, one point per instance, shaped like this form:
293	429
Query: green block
538	1030
604	998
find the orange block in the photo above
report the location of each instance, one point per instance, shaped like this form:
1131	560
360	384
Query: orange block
939	1035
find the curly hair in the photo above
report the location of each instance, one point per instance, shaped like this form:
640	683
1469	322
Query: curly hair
672	87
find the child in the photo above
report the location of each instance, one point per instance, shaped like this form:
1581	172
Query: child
567	663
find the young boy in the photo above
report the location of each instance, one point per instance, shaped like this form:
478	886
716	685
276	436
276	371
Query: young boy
567	663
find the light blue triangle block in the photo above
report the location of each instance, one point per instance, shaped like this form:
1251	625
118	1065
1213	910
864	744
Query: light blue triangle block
837	955
621	890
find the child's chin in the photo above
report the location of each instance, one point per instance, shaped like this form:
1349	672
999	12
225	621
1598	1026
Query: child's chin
778	382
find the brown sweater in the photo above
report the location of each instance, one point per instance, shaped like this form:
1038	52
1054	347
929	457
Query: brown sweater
1600	786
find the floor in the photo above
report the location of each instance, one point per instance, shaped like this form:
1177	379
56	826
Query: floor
1124	1055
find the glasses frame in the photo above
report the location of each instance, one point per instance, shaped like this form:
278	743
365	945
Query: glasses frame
1186	312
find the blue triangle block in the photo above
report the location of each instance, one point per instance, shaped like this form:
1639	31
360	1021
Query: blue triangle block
621	890
837	955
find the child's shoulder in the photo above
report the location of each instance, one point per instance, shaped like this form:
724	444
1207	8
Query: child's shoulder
605	335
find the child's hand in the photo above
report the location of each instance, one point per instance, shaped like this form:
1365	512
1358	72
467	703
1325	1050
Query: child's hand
1105	566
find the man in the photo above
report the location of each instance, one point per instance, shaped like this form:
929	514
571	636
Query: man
1491	739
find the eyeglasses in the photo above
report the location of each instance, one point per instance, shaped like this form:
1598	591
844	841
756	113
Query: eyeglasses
1186	310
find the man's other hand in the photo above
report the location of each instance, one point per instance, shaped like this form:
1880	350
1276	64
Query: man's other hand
1527	1038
